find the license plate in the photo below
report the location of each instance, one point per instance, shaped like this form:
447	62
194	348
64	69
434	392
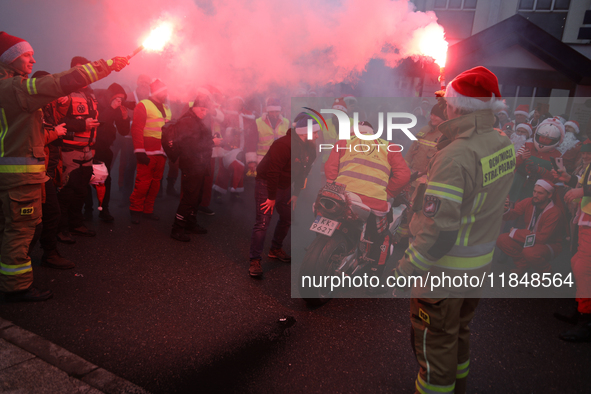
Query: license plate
324	226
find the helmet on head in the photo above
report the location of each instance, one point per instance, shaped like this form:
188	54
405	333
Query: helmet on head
549	135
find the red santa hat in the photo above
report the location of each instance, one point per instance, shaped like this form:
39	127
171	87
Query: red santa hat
526	127
547	185
12	47
157	86
473	90
522	109
574	124
340	104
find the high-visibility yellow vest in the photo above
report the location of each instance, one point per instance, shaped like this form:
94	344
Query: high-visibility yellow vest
267	135
365	169
154	119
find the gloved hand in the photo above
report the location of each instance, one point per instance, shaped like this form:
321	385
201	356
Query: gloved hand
117	63
142	158
124	113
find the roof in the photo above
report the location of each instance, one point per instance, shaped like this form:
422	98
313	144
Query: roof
565	66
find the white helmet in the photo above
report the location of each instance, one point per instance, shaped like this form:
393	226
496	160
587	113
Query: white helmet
549	135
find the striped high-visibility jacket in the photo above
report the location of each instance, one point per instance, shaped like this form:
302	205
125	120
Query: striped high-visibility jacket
22	138
463	203
146	129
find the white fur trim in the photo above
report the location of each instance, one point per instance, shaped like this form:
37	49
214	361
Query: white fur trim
547	186
573	125
219	189
273	108
251	157
12	53
525	127
521	113
512	233
462	102
339	107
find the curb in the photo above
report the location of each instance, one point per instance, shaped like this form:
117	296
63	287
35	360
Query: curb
71	364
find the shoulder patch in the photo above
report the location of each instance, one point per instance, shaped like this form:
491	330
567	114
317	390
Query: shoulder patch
431	206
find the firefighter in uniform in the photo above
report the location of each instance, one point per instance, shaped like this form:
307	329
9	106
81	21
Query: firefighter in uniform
81	114
455	232
22	157
419	155
146	130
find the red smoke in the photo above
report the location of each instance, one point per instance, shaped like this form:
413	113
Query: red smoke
251	45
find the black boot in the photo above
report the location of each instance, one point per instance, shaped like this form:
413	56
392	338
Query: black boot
106	216
30	295
135	216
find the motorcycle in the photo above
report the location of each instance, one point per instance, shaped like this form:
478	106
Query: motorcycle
340	246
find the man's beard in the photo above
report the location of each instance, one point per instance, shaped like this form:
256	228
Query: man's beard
518	140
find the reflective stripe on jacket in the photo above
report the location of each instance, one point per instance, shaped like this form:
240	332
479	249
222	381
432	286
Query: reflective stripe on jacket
365	173
267	135
154	120
463	204
79	108
22	138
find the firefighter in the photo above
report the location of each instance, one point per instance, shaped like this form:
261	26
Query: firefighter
146	130
81	119
22	160
376	175
456	229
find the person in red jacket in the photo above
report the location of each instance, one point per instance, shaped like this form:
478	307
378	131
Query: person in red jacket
539	242
534	159
146	131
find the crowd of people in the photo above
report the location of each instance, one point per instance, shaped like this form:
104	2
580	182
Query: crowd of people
57	132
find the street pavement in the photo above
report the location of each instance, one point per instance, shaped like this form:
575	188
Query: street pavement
174	317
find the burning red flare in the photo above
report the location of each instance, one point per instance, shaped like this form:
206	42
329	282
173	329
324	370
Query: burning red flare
431	43
157	39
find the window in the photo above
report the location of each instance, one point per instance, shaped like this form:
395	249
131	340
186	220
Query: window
456	17
544	5
550	15
455	5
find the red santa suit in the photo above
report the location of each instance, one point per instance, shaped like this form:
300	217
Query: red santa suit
148	118
547	227
231	172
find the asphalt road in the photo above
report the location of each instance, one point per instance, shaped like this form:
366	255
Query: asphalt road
178	317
